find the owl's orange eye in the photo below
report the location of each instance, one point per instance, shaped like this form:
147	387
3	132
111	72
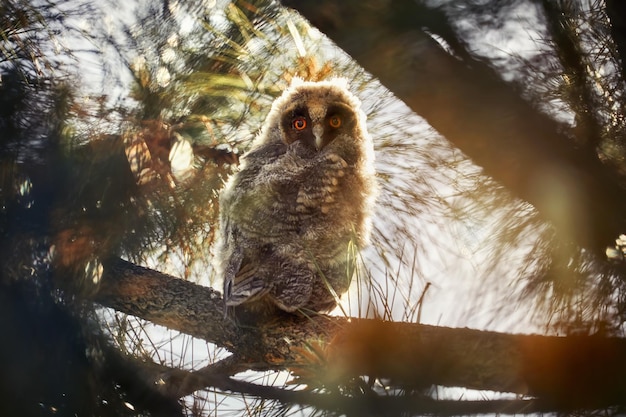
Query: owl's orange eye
299	123
334	122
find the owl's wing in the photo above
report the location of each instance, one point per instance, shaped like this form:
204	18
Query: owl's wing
292	288
238	283
241	280
243	286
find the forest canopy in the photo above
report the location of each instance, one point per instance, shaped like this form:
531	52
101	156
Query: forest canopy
499	133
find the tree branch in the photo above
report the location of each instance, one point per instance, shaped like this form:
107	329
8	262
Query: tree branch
169	380
575	371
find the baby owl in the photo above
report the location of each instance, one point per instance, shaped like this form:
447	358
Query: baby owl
292	216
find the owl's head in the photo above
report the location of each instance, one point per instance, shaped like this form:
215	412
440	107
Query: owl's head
316	114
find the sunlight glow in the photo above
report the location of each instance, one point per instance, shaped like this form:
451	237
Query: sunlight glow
181	157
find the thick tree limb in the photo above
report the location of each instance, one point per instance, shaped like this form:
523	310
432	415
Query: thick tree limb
564	371
472	107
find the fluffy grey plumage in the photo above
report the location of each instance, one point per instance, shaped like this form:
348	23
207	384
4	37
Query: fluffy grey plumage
294	214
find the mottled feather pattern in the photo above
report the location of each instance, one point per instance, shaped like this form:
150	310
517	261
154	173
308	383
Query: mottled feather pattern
300	201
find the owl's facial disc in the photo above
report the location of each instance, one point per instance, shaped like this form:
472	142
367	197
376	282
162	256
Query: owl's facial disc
316	126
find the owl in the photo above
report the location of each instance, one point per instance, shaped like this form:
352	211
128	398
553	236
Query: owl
295	214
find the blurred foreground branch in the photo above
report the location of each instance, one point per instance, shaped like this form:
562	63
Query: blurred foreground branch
561	372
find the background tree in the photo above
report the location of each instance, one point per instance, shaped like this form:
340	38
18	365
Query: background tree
520	220
49	212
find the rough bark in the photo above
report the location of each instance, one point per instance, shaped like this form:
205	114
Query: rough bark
472	107
582	371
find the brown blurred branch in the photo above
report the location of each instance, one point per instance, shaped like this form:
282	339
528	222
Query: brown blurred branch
561	371
467	102
175	383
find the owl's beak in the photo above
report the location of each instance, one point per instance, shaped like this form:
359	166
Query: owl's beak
318	132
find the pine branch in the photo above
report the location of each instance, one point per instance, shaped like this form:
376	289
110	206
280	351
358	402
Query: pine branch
578	371
176	383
